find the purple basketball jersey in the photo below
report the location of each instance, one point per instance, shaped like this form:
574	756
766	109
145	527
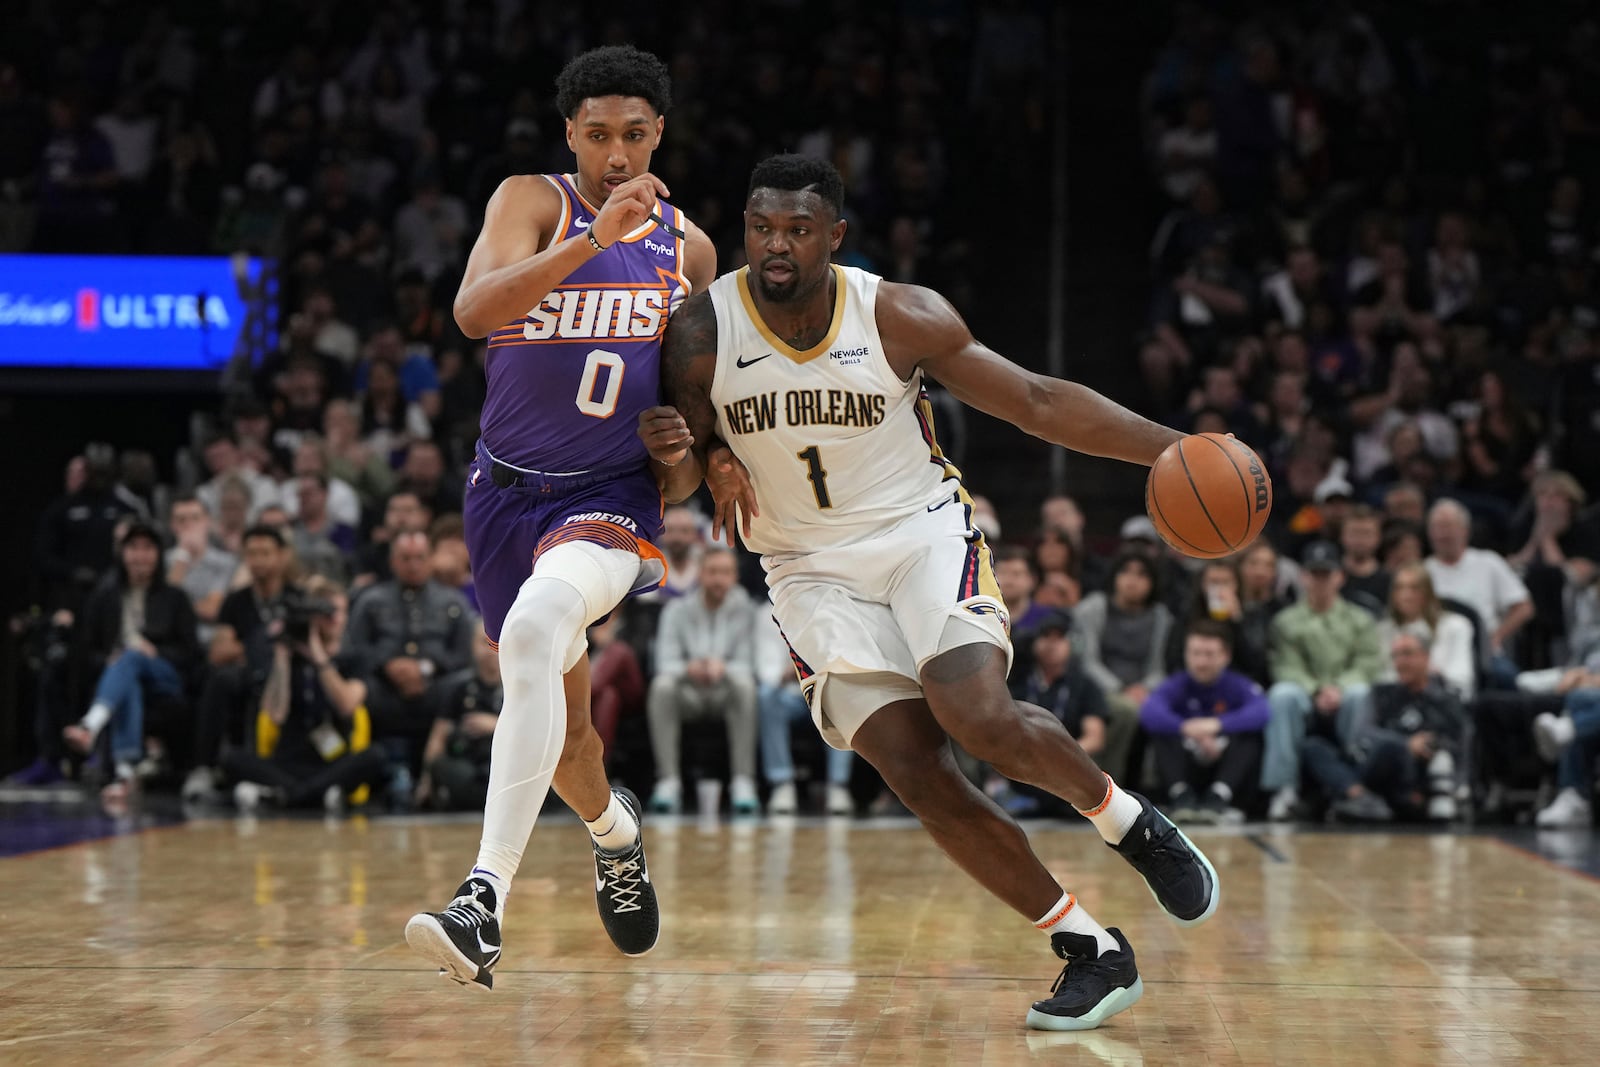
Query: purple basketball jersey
568	380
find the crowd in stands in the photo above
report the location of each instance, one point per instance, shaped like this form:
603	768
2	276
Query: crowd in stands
1377	266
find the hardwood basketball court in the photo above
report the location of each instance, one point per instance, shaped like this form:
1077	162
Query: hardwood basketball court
277	942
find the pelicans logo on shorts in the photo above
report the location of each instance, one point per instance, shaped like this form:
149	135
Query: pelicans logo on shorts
989	607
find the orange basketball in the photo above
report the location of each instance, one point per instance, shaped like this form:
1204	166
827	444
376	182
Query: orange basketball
1209	495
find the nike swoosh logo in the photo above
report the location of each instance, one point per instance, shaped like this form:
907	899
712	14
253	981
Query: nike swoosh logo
582	224
599	883
487	949
741	362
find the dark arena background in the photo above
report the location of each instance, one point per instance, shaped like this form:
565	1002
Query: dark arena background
1362	237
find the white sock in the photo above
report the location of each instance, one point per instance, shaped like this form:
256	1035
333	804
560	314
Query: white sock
614	828
1069	917
533	723
1114	814
95	719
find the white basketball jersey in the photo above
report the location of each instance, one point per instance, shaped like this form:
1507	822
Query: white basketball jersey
839	448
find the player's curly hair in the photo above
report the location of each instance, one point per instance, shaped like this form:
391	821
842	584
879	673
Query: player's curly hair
801	173
615	70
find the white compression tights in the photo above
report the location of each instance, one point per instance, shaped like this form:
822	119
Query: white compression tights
543	637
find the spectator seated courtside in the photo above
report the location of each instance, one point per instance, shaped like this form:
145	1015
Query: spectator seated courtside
1205	725
1404	754
705	668
414	631
1324	660
138	639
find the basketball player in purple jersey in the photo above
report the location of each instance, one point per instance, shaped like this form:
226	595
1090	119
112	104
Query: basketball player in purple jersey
571	281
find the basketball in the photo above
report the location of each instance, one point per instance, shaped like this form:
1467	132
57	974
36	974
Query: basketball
1209	495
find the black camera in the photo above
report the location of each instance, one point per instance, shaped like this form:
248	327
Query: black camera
300	610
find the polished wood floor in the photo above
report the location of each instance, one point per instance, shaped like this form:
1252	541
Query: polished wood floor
279	942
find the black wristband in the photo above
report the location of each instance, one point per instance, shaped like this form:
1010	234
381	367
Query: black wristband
594	242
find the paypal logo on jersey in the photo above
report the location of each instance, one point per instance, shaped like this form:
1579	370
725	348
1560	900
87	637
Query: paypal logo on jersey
660	250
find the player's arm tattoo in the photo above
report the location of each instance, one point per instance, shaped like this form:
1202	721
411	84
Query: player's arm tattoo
688	363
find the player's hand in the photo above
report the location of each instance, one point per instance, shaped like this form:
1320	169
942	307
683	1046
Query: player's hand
734	496
665	433
627	208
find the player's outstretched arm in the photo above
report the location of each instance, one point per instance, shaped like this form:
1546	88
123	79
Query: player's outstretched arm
507	275
921	329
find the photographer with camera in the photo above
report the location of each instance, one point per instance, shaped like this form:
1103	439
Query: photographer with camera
415	632
455	763
240	654
312	732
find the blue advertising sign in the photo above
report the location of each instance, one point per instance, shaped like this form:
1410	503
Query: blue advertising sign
181	313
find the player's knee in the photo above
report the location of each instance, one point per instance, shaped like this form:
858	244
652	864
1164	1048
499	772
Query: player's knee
989	730
926	783
530	632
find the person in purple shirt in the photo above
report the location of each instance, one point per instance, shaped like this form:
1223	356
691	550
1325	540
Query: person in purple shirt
1205	726
571	281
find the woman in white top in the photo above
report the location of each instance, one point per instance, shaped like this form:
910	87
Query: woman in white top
1415	609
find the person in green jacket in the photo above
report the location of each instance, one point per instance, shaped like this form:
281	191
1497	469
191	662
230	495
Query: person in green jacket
1324	657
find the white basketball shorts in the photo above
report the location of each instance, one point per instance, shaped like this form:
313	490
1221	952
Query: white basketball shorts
875	612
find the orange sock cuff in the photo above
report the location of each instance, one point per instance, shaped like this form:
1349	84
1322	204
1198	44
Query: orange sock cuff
1105	801
1058	913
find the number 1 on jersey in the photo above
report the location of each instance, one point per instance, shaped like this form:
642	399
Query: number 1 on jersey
602	408
818	476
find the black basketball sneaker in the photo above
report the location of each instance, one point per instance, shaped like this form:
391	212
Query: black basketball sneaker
623	892
1179	876
1093	986
464	938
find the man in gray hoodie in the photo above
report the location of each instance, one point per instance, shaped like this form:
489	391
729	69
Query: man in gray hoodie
705	667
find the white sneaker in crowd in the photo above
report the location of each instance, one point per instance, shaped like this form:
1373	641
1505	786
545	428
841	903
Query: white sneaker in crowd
1551	735
782	801
840	802
1570	810
1284	802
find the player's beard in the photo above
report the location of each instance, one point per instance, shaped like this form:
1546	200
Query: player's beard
794	291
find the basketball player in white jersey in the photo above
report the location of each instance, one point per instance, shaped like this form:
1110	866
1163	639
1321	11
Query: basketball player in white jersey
812	373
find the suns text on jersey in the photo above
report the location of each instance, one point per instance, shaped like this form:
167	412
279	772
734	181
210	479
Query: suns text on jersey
581	314
805	407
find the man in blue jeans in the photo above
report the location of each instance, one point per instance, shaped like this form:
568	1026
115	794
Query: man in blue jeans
1573	742
1324	659
139	634
780	704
